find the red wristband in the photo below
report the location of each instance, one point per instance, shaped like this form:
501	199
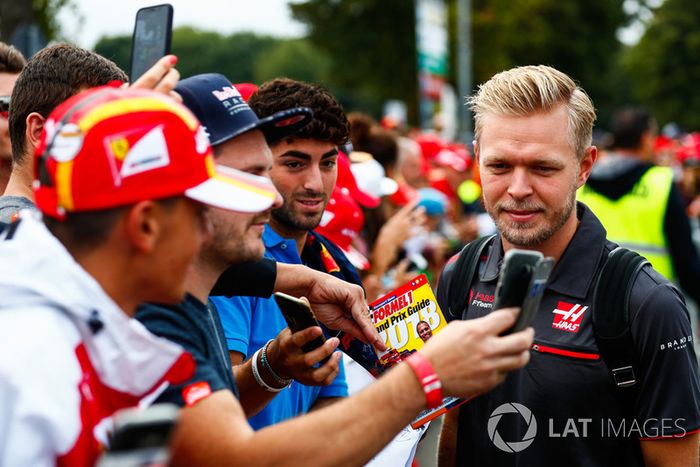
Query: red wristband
428	379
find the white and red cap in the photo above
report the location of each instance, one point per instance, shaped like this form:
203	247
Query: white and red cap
370	175
347	179
455	156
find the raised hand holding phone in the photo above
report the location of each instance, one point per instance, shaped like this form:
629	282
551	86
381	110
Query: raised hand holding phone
152	38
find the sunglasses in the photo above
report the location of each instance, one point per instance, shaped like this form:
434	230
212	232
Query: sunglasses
4	106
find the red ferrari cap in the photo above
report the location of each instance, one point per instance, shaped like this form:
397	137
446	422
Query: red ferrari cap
110	147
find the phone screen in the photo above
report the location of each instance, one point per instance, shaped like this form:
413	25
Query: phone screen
152	36
298	316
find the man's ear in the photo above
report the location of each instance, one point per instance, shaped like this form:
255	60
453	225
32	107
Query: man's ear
475	143
142	226
586	165
32	135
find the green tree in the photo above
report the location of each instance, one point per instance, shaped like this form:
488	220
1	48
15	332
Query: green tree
115	48
198	51
42	12
371	47
372	44
578	38
664	66
292	58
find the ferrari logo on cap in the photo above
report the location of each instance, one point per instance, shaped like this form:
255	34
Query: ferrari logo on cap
148	153
119	147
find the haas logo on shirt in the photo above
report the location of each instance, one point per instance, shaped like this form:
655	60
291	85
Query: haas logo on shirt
568	316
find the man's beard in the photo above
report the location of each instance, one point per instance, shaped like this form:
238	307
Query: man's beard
295	221
223	252
521	234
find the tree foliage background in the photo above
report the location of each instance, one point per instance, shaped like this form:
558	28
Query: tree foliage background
664	67
364	51
242	57
14	13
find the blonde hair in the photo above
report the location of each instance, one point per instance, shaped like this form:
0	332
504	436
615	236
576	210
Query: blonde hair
530	89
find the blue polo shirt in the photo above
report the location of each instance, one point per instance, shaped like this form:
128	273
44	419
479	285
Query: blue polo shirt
249	322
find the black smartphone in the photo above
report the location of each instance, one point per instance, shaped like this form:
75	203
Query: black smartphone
533	297
515	277
299	316
151	39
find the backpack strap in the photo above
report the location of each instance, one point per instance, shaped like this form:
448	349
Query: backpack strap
611	323
464	270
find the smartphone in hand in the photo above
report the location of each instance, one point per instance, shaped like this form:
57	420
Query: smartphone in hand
152	38
514	280
535	290
299	316
521	283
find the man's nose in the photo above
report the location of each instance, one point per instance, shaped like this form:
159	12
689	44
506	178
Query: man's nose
313	181
520	186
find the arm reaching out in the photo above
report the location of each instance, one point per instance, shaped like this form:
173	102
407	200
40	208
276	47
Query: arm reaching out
336	303
468	356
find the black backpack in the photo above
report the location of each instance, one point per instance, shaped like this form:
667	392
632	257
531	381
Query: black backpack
610	307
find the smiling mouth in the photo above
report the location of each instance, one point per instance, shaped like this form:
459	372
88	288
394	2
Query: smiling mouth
520	213
521	216
310	202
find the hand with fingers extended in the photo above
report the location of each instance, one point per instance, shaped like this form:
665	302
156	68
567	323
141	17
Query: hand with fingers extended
161	77
470	357
337	304
289	361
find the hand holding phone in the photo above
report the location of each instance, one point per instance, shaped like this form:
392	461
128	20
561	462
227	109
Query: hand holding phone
298	316
514	279
152	38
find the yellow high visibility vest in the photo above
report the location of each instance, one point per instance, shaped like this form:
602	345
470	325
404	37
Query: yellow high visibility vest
636	220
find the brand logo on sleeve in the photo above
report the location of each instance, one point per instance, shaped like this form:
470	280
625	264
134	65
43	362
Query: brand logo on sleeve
568	316
196	392
677	343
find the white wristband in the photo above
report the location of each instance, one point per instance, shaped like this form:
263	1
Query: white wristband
258	378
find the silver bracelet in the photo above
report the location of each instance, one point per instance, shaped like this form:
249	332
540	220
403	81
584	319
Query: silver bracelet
266	364
256	374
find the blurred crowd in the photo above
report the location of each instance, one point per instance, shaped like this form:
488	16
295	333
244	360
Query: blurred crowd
406	202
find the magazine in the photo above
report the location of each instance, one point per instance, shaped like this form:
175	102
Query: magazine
405	318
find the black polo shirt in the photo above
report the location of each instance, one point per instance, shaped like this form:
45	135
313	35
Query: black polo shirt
196	327
563	408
